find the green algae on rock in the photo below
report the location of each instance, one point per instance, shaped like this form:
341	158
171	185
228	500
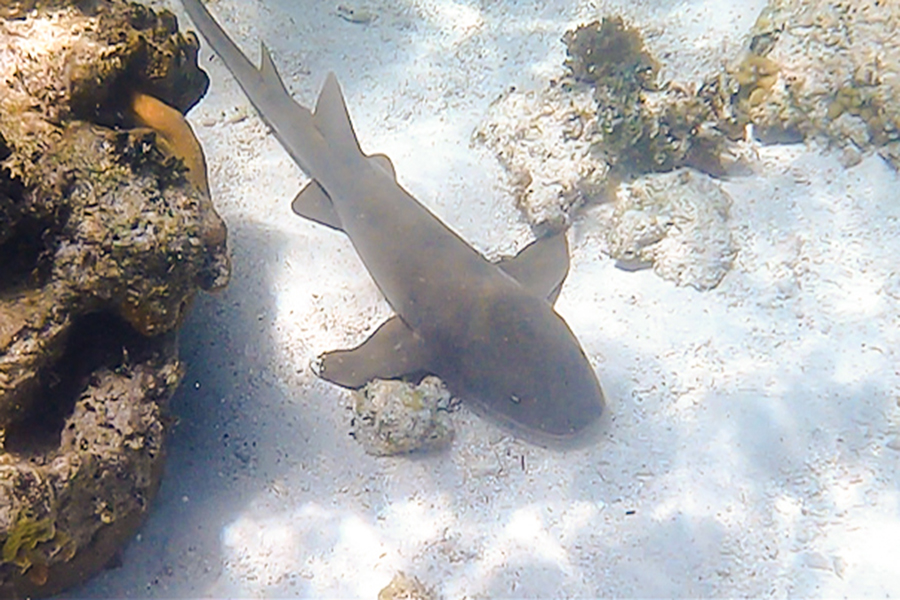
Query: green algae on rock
103	244
609	130
646	127
606	119
612	54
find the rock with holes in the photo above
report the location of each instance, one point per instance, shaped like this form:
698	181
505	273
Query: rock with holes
677	223
395	417
545	140
104	241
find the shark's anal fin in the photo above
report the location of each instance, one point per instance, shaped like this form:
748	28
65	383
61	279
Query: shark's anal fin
541	267
391	352
313	203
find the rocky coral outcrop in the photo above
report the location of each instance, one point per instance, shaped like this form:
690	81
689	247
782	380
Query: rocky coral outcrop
397	417
607	119
828	69
825	70
104	241
676	222
608	130
545	140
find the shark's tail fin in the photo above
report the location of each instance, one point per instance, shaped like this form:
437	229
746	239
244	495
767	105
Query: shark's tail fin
301	132
332	118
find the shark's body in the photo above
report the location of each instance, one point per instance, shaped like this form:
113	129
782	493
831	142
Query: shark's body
488	330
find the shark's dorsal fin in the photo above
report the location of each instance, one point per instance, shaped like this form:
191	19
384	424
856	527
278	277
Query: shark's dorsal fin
332	118
268	71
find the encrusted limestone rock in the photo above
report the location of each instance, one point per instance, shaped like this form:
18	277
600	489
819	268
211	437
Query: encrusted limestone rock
544	139
825	68
678	223
394	417
104	241
405	587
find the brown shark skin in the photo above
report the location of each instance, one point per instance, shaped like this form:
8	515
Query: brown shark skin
488	337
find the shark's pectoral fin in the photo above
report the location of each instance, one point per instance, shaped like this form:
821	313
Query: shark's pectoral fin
541	267
314	203
393	351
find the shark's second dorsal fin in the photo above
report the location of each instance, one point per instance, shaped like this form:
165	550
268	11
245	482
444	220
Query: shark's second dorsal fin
269	73
332	118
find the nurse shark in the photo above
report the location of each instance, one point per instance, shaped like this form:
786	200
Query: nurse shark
488	330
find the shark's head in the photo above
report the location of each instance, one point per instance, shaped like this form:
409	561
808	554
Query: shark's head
522	364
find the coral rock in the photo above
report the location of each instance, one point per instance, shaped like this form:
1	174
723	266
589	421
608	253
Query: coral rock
103	244
394	417
678	223
824	69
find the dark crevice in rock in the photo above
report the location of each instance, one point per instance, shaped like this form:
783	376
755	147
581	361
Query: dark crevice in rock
28	257
96	341
11	192
5	151
115	111
140	151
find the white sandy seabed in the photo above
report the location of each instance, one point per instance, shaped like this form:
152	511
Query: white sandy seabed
752	439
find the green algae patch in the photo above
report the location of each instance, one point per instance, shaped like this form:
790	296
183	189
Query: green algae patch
610	53
645	126
32	544
24	537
